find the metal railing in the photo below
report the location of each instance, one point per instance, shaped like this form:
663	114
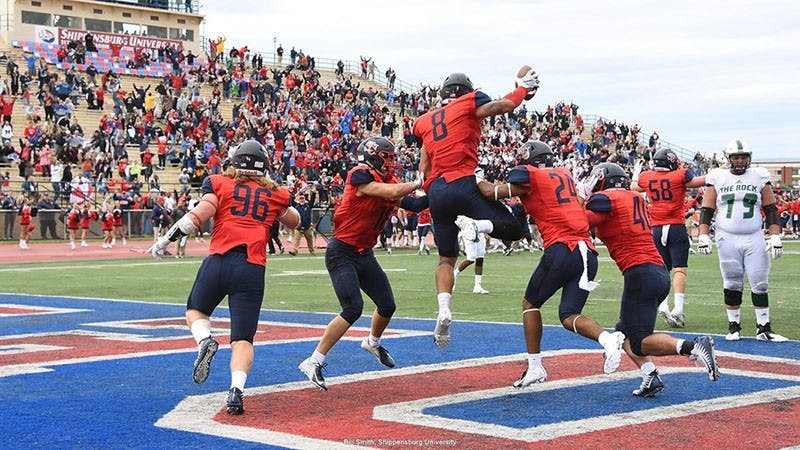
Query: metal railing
643	137
329	64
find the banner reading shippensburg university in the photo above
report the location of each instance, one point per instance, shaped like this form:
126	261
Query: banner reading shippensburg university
63	36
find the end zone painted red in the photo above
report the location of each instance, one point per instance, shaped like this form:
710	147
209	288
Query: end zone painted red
345	412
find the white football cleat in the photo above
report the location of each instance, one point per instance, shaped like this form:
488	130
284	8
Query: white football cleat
441	334
468	227
613	352
531	376
478	289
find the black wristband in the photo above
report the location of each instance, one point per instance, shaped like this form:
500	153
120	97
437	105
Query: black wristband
706	214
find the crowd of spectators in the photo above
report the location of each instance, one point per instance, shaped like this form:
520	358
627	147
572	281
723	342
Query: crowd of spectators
311	127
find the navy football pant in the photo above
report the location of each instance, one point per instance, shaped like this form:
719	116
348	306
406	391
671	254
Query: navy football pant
352	272
561	268
462	197
645	286
243	282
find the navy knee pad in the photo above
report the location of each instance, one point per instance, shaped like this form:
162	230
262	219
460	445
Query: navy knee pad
351	313
733	298
636	338
387	311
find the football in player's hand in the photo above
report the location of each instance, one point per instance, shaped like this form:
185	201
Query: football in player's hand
523	70
527	78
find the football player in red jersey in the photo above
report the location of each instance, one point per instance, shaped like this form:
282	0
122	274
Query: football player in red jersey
569	261
666	186
449	138
372	193
622	222
243	203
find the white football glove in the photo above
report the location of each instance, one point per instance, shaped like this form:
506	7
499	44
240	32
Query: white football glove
420	179
529	81
585	187
704	244
159	247
637	170
775	246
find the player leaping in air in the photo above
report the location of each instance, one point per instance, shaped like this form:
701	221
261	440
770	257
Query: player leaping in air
449	138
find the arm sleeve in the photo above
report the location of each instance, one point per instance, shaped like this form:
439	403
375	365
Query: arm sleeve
361	176
763	175
711	177
481	99
519	175
207	187
599	203
687	175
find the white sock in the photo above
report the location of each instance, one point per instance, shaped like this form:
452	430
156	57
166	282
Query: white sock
762	316
478	279
484	226
734	315
238	379
648	367
664	305
679	298
317	357
444	301
374	341
201	329
678	346
534	360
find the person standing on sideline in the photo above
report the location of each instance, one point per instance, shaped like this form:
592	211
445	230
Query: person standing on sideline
107	225
26	224
622	222
306	229
372	193
737	196
47	216
569	262
275	238
423	228
449	138
243	203
119	225
474	253
665	187
73	223
87	216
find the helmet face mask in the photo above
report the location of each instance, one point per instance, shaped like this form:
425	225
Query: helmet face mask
739	156
609	176
536	153
378	153
250	158
454	86
666	159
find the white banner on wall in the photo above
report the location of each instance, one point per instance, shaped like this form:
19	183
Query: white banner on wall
62	36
